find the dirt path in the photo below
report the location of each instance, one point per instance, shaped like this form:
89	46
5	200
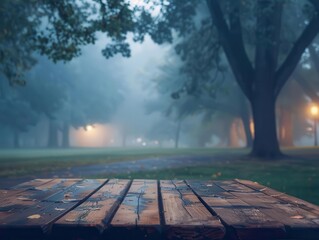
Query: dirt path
117	167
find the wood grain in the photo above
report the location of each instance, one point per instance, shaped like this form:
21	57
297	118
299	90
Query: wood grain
22	187
36	220
90	219
138	215
185	216
281	196
299	221
149	209
20	200
242	219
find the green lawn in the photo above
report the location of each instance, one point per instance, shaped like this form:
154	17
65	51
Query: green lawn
21	162
294	177
298	176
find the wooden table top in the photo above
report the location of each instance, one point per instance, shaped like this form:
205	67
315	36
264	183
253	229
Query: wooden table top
151	209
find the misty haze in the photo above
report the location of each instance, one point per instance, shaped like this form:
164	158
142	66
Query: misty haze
212	90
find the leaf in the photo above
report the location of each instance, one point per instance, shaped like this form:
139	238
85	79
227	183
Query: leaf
35	216
297	217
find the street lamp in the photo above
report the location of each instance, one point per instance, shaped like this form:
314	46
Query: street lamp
314	110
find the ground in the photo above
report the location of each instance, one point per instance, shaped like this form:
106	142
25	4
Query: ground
297	174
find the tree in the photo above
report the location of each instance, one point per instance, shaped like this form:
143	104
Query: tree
58	29
261	63
262	78
253	38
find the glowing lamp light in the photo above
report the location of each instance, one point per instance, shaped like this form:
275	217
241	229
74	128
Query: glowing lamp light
89	128
314	110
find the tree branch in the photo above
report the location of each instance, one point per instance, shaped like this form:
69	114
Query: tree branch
305	86
233	47
290	63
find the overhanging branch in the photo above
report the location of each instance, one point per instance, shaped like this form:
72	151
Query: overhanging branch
233	48
290	63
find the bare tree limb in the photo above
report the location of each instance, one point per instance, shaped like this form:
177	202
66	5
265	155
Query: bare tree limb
233	47
293	58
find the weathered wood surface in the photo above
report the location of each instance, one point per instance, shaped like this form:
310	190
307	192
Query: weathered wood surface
150	209
36	220
23	196
243	220
90	217
185	216
300	217
138	216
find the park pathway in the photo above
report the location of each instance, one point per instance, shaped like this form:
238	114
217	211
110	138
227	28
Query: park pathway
126	167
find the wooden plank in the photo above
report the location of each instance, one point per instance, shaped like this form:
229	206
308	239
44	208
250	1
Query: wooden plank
185	216
22	187
32	184
35	221
89	220
23	199
138	215
281	196
34	194
300	223
243	221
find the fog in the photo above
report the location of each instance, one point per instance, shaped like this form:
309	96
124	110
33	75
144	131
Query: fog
117	90
149	99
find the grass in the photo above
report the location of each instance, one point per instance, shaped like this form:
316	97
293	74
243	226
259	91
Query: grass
298	176
21	162
291	176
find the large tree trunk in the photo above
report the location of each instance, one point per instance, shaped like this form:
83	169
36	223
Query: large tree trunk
263	99
265	143
66	135
53	135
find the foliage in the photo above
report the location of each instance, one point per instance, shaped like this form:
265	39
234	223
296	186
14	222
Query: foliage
17	114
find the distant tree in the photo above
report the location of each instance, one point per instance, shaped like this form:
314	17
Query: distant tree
92	99
175	110
16	114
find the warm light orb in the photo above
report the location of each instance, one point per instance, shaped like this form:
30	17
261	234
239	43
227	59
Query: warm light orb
314	111
89	128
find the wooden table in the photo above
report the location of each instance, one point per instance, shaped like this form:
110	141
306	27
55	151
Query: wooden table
150	209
